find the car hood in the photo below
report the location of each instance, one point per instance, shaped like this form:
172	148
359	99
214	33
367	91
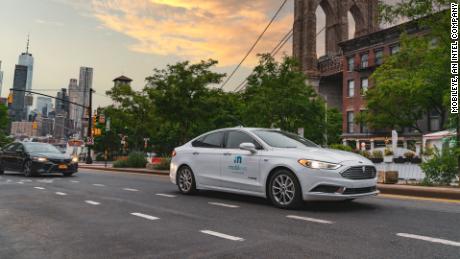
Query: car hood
50	155
324	154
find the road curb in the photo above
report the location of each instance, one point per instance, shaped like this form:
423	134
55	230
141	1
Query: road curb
127	170
420	191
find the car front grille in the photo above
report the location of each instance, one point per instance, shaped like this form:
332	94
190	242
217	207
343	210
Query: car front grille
360	190
360	172
60	161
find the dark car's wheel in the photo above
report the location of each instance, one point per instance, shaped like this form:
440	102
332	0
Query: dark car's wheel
2	170
284	190
186	180
28	172
67	174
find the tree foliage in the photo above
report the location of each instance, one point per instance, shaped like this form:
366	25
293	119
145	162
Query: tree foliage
4	121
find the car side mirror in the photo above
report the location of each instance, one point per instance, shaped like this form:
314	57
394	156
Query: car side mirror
249	147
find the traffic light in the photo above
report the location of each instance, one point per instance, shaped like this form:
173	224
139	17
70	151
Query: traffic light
94	120
34	125
10	98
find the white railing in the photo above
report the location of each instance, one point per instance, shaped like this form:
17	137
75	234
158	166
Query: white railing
406	171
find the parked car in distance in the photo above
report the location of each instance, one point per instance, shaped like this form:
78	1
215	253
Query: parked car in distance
280	166
33	158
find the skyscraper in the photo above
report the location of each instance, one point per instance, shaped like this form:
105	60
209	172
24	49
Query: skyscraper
1	78
85	84
44	105
74	110
18	107
26	59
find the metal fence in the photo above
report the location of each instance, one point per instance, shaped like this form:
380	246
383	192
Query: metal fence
406	171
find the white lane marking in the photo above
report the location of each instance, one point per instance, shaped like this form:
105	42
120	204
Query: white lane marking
430	239
98	184
130	190
21	182
166	195
61	193
45	181
73	181
225	236
310	219
39	188
145	216
223	205
93	202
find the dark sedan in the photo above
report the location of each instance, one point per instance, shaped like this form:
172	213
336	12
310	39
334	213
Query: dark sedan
34	158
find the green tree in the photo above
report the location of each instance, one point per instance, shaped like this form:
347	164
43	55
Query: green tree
4	121
277	96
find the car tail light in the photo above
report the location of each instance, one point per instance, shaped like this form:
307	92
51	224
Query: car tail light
173	153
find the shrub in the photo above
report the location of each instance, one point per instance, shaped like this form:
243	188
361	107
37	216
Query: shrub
365	153
388	152
377	154
442	168
341	147
135	160
428	151
409	155
164	164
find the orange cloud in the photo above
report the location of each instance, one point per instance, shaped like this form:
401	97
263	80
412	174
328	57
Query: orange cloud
196	29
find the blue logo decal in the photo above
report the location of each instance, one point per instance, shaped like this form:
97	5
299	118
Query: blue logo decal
238	160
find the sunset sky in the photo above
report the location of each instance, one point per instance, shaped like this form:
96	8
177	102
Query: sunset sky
132	37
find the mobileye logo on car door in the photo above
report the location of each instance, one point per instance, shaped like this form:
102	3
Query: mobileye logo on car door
237	167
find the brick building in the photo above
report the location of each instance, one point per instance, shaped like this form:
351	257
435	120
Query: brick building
361	56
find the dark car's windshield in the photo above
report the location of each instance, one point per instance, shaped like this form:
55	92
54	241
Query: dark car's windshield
280	139
41	147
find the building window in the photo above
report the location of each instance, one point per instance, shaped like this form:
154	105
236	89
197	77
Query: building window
351	88
364	85
350	122
394	49
379	57
435	120
362	123
351	64
364	60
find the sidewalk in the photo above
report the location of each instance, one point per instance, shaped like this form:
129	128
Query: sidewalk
394	189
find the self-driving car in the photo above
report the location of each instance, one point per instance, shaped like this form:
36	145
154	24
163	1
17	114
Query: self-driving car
33	158
283	167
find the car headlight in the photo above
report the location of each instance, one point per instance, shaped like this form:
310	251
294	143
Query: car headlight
314	164
74	159
40	159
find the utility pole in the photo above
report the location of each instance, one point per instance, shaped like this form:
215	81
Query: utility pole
89	140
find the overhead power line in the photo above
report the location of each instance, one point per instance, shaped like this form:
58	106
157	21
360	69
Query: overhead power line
254	45
275	51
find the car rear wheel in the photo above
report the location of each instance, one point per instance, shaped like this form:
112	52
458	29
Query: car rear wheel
2	170
186	180
284	190
28	169
67	174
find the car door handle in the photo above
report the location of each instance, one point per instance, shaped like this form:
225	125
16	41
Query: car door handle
196	153
227	154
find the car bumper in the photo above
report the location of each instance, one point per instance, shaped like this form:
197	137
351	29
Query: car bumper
49	168
330	185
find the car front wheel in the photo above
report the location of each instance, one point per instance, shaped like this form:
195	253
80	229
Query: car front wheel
186	180
28	169
2	170
284	190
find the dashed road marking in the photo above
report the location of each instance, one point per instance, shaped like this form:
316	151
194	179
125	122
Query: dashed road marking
61	193
145	216
98	184
93	202
73	181
20	182
166	195
39	188
430	239
310	219
221	235
223	205
130	190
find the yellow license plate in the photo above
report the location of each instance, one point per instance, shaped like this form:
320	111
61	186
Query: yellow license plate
62	166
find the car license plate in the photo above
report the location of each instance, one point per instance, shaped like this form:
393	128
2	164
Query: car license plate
62	166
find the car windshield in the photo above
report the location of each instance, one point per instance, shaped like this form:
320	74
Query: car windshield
41	147
280	139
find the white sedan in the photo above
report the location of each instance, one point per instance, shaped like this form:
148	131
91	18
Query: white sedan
273	164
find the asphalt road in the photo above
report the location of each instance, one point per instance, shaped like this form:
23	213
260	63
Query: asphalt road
118	215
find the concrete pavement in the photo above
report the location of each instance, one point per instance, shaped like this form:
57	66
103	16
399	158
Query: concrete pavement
119	215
